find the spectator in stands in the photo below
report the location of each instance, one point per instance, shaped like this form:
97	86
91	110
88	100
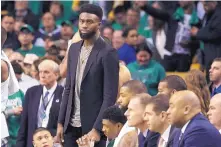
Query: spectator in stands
117	39
42	104
215	77
67	31
178	39
42	138
113	120
171	84
24	80
107	32
120	18
215	111
26	37
127	91
34	70
18	25
57	10
127	51
133	20
157	120
49	29
8	23
146	69
134	114
196	82
210	33
26	15
196	130
16	56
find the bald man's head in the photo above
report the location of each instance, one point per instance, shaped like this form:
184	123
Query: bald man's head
184	105
215	111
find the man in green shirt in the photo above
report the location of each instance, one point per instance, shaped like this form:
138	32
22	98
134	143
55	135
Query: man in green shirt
26	37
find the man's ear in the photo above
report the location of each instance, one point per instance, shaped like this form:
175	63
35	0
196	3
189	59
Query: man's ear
187	109
173	91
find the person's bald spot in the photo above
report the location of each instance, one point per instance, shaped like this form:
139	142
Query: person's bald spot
216	99
186	97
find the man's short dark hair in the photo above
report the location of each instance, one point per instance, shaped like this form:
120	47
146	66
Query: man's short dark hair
217	60
135	86
8	15
126	31
114	114
119	9
17	67
175	82
92	9
160	103
3	36
40	129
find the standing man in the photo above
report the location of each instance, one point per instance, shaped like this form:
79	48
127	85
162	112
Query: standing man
91	84
41	105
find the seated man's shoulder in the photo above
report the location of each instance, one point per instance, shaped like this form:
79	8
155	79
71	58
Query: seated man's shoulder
130	139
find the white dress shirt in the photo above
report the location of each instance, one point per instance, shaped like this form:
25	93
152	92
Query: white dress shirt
50	98
220	131
165	136
184	127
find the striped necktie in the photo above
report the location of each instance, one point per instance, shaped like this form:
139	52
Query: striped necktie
42	110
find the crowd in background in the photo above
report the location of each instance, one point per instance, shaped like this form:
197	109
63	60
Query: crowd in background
151	39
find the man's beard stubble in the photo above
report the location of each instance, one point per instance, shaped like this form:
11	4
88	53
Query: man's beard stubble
87	35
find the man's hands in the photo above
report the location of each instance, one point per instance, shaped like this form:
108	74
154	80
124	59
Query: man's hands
89	139
17	110
194	31
60	134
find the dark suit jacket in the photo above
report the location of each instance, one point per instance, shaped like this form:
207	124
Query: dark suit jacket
199	133
150	140
173	132
99	85
29	117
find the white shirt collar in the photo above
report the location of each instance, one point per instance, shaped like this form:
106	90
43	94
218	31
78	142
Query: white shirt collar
220	131
51	91
184	127
145	133
166	134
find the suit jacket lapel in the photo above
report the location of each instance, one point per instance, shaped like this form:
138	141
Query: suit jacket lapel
55	102
75	55
36	103
92	57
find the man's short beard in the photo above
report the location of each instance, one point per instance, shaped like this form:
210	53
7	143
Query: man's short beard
87	35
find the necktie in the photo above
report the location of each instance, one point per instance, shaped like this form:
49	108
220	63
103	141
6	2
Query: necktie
41	111
214	92
161	142
141	139
180	138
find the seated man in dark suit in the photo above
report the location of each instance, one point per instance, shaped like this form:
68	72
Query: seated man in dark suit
134	114
42	104
196	130
156	116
